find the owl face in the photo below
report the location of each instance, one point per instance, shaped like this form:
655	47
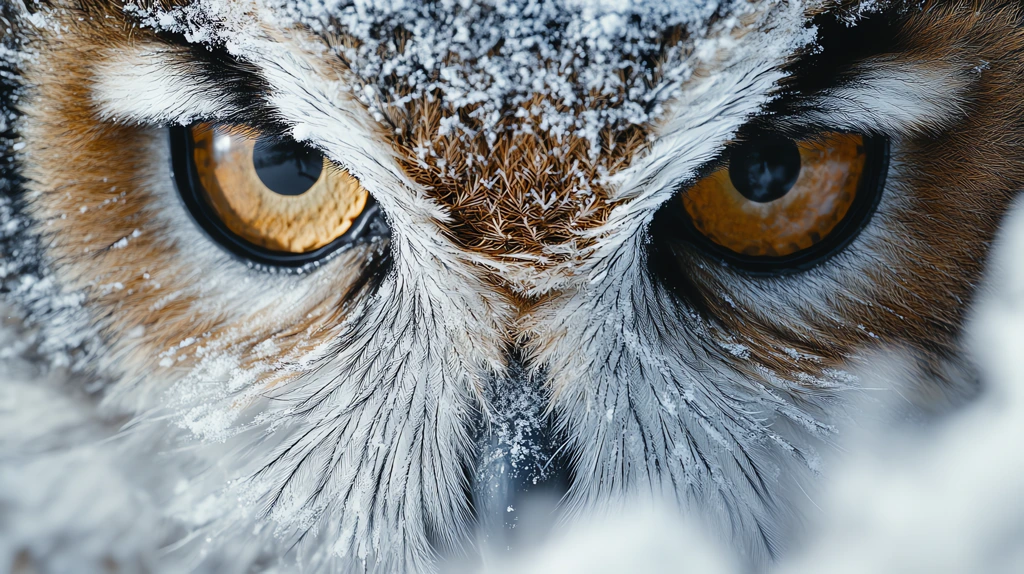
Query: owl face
361	275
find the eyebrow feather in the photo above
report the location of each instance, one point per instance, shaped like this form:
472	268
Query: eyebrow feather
866	77
173	81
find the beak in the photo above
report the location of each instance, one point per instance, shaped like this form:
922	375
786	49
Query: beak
520	474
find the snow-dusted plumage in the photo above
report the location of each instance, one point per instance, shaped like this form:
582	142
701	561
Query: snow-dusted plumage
222	417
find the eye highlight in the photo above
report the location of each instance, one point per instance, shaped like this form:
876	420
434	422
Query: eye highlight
781	205
268	199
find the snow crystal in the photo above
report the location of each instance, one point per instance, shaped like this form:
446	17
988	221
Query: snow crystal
737	349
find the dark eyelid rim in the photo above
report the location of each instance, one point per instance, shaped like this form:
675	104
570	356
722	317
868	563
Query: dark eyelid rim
816	69
189	188
674	224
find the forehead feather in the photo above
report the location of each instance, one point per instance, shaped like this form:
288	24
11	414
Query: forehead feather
585	66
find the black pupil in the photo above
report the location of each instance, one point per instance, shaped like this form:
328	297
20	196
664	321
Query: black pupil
286	167
766	169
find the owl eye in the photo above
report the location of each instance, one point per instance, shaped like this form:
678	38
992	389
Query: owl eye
267	199
780	205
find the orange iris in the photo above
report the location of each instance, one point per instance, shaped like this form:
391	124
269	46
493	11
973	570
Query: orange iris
830	173
314	213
